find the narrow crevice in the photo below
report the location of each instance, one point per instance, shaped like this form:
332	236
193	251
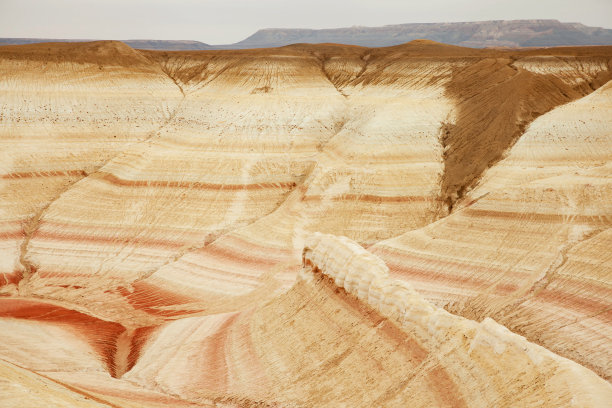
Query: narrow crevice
366	62
29	227
123	349
470	307
165	71
583	318
210	239
445	201
322	61
187	74
562	258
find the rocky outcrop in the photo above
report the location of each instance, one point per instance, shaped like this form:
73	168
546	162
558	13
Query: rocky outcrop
526	246
455	346
348	334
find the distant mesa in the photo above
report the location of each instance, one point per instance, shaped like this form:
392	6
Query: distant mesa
508	33
476	34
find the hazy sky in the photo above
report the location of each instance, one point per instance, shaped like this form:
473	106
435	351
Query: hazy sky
228	21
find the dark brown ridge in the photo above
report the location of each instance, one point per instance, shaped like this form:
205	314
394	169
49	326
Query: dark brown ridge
497	100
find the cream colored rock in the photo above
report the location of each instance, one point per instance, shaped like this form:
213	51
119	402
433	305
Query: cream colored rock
348	335
64	117
154	208
366	277
23	388
526	246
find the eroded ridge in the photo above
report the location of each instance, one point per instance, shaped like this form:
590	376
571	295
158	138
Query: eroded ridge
504	368
157	204
527	247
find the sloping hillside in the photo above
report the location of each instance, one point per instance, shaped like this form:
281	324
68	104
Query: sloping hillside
155	206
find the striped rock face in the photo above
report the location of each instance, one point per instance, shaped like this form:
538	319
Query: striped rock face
528	247
161	217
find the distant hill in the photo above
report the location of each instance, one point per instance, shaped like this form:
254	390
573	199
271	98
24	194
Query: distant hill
170	45
478	34
510	33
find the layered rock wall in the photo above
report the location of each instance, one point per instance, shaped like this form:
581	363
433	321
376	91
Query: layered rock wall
154	207
486	352
525	246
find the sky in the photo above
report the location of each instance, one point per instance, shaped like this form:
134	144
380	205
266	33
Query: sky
229	21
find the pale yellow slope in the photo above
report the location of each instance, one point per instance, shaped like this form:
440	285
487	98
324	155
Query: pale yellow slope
62	119
346	334
521	248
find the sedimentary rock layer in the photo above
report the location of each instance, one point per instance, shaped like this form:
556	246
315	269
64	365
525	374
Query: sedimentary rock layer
527	245
66	110
164	200
345	323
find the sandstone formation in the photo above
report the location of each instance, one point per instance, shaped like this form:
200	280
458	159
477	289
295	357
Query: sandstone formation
529	245
157	207
319	343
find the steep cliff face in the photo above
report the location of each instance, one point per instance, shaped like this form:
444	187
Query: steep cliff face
166	197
